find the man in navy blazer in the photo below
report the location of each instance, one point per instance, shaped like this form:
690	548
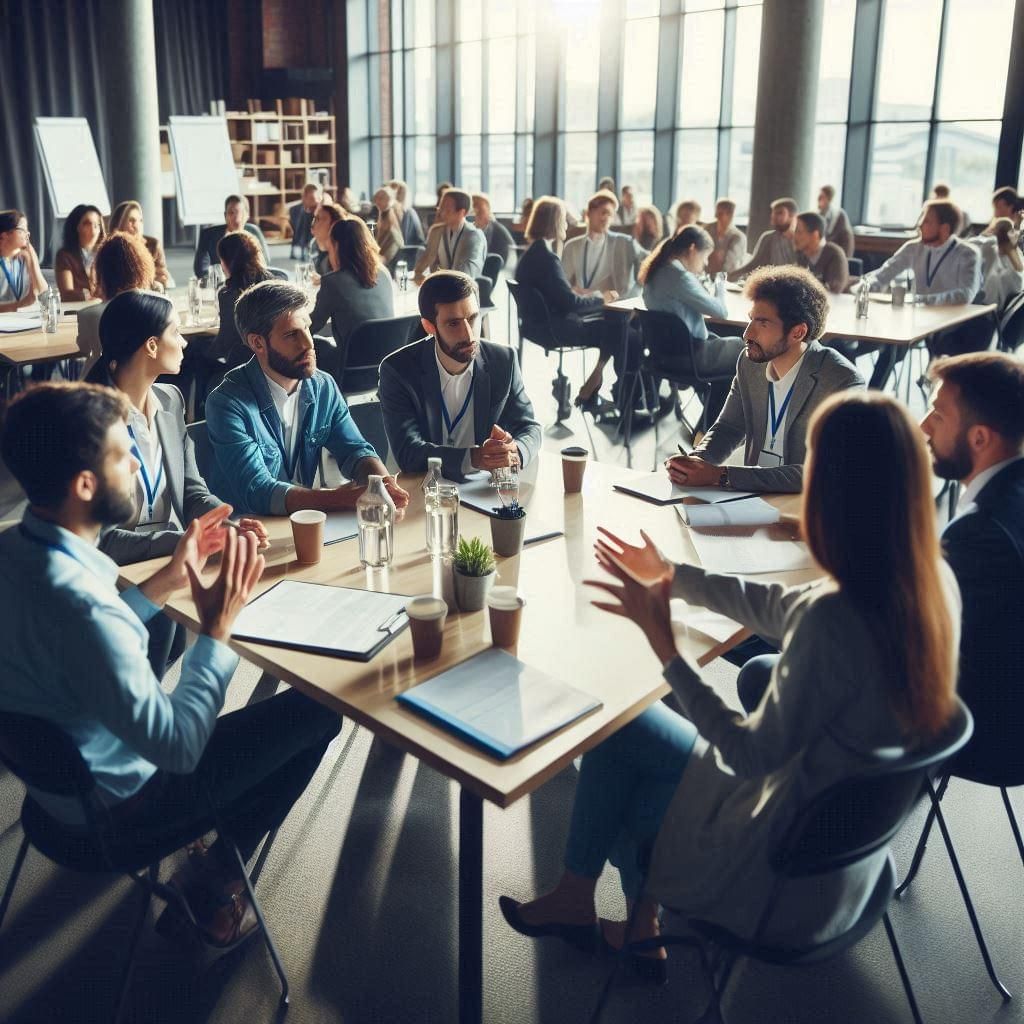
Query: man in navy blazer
452	396
975	431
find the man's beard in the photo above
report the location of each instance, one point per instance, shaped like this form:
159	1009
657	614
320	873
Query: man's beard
764	355
462	352
288	367
109	508
955	466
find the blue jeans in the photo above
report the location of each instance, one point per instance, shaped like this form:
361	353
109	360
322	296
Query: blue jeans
624	790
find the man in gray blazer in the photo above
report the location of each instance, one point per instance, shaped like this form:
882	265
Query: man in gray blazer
452	242
603	260
452	396
768	409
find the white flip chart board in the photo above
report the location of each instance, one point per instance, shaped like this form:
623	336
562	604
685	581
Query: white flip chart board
204	169
70	164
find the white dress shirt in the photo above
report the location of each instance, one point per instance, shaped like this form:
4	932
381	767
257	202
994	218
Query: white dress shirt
945	275
965	503
287	406
455	387
153	502
774	457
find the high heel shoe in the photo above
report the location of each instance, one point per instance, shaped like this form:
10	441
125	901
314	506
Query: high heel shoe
583	936
649	969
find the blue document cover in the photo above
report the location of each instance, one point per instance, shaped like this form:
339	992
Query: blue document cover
499	703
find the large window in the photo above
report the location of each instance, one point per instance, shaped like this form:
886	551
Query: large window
940	122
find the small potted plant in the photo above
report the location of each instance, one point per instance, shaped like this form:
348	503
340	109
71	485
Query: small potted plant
508	528
474	573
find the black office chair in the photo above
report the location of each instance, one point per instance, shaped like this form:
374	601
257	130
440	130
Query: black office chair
409	253
368	345
278	273
855	265
1011	324
493	265
842	825
536	324
668	355
44	757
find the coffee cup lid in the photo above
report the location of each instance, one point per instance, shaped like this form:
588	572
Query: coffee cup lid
426	607
575	452
504	599
308	516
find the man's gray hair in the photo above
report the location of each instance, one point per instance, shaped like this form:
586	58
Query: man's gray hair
259	306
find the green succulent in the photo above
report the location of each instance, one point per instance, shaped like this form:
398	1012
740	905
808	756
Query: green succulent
473	557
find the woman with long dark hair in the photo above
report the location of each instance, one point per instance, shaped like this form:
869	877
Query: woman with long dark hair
241	259
360	288
671	280
83	233
867	670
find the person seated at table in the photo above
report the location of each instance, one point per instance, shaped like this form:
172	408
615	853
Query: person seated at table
625	212
947	272
452	242
1002	269
127	217
452	396
867	671
325	217
269	419
300	218
154	755
767	410
1004	203
837	222
21	279
359	289
499	241
388	233
602	260
72	267
122	264
649	228
411	225
686	212
578	314
775	247
824	259
670	277
236	218
730	243
242	262
975	433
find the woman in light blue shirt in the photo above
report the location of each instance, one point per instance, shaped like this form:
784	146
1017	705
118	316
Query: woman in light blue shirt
670	276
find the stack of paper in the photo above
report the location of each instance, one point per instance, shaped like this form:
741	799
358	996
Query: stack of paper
750	511
12	323
657	488
748	550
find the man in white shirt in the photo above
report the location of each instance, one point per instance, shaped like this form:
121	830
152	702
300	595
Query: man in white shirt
452	396
452	242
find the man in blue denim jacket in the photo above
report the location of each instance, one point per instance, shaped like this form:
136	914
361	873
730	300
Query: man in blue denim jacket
268	419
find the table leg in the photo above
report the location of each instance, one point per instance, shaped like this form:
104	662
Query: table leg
883	366
471	910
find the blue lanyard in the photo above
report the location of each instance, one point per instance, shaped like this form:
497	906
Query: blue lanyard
588	278
929	274
449	424
776	419
451	250
20	278
150	488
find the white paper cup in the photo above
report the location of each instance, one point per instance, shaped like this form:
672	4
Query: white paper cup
308	534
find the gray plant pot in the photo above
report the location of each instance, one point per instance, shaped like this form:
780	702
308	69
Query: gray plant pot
471	591
507	535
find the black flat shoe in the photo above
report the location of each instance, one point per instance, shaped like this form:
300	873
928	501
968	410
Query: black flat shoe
583	936
647	968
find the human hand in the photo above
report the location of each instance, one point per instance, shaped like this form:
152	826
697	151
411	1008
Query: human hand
202	538
219	604
646	604
256	527
692	471
645	564
493	454
610	295
399	495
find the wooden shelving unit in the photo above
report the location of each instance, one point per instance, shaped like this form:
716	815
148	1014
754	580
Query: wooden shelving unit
276	155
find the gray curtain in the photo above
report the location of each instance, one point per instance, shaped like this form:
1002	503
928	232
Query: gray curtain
52	54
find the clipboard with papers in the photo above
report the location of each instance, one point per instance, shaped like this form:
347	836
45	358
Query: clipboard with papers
340	622
497	702
659	490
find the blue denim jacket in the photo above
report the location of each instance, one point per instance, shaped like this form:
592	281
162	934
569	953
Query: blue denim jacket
247	438
75	653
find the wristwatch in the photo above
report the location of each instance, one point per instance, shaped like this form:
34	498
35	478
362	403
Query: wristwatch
723	477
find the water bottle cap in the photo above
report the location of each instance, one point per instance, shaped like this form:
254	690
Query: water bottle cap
434	463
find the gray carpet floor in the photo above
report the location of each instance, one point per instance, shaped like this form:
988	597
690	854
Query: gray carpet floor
360	893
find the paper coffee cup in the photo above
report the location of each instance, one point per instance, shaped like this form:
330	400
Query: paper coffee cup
505	608
427	616
308	534
574	465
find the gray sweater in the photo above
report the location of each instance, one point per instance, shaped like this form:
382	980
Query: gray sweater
344	301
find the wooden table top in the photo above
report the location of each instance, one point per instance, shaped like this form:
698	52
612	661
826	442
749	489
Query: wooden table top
884	324
38	347
562	634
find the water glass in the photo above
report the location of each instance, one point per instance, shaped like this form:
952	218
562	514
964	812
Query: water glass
402	275
195	301
506	481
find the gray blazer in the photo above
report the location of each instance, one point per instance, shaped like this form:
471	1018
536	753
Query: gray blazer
346	303
470	252
744	418
825	716
410	397
619	265
190	497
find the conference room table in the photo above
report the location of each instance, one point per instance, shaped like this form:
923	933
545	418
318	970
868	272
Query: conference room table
562	634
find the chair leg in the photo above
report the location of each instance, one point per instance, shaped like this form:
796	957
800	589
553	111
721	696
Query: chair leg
257	868
904	977
1009	814
133	945
999	986
922	843
12	881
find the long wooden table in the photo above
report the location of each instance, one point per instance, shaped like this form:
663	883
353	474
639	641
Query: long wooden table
561	633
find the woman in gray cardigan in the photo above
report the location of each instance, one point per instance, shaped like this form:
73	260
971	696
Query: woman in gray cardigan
867	670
